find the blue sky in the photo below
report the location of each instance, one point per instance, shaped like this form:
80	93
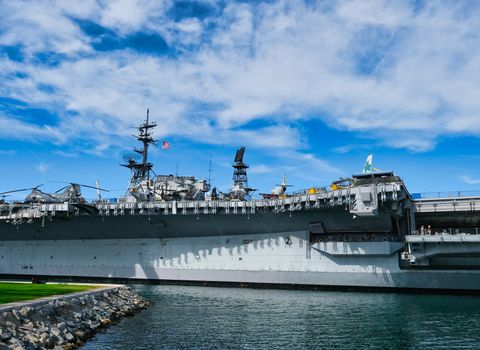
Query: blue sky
310	87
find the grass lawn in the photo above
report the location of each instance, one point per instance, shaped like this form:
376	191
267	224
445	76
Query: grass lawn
11	292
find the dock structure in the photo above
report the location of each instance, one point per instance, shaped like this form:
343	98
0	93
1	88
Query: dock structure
443	251
447	204
453	215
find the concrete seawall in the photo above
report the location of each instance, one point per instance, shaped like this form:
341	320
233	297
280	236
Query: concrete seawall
67	321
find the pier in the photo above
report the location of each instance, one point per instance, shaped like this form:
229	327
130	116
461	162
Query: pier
458	214
448	204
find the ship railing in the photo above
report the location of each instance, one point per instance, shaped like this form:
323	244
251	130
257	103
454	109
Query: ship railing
212	203
294	202
445	194
356	237
338	197
425	231
445	238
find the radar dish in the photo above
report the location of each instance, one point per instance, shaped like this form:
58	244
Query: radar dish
131	157
239	155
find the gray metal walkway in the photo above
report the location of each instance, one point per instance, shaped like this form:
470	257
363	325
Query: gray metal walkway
453	204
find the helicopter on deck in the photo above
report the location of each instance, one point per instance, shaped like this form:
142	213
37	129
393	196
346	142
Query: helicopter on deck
69	193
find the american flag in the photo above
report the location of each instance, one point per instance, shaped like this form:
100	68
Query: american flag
165	145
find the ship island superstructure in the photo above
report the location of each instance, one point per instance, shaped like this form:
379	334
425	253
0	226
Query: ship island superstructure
363	231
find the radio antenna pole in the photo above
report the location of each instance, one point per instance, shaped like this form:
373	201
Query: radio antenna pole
210	171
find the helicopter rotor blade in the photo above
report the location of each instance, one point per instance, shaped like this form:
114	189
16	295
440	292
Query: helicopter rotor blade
21	190
96	188
64	187
74	183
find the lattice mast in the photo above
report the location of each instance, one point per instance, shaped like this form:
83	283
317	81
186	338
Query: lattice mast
240	170
141	171
240	188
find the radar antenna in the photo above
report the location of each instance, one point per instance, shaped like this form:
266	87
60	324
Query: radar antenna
240	169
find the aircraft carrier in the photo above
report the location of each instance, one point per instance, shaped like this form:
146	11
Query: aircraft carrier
365	231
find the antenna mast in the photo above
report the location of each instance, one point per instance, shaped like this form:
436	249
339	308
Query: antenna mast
240	169
210	171
240	189
141	171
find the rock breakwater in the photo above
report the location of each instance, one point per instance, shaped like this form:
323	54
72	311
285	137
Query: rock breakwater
65	322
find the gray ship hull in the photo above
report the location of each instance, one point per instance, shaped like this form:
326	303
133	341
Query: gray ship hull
169	226
286	258
353	237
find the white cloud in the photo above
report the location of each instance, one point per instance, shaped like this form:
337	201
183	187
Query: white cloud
319	165
127	16
364	148
282	62
261	169
190	26
42	168
344	149
469	180
43	26
14	129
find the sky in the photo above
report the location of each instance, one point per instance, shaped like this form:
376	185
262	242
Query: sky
309	87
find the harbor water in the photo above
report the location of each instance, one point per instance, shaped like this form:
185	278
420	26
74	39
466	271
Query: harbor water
185	317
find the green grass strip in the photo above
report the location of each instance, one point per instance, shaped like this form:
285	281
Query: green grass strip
12	292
